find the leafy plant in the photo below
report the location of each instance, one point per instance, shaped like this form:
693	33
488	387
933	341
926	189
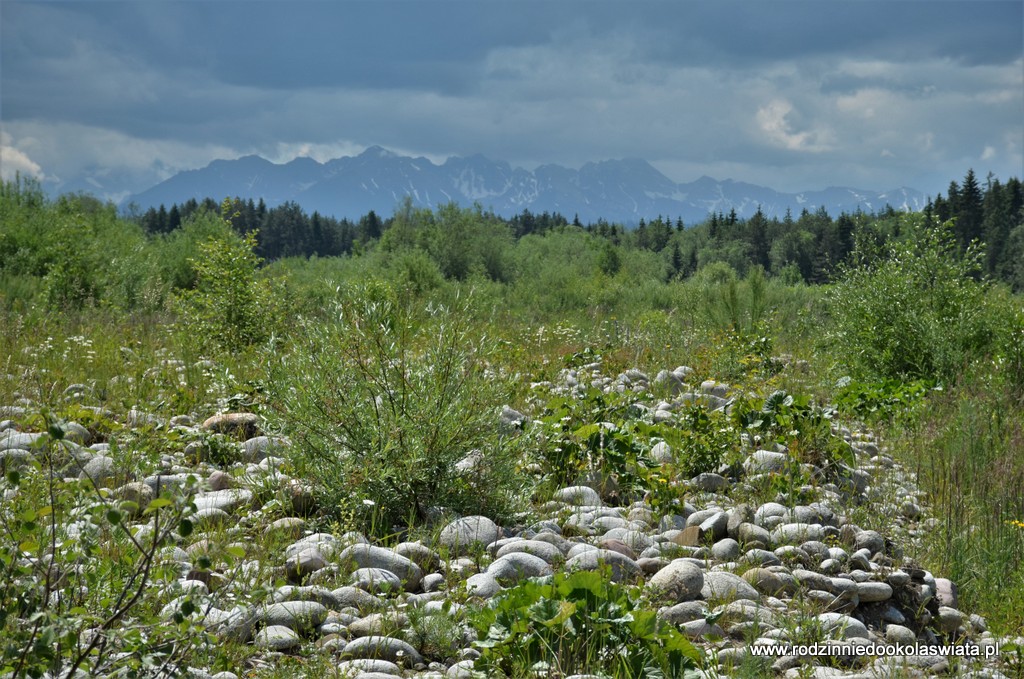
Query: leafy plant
397	412
881	399
230	305
74	580
919	313
578	623
588	433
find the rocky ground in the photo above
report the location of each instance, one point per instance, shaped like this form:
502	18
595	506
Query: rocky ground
728	571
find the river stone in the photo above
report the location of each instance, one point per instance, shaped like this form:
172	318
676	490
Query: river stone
739	514
716	525
11	440
136	492
770	513
850	628
320	595
623	568
679	581
258	448
683	612
465	535
764	462
369	556
460	670
540	548
383	648
98	469
304	563
691	536
205	518
661	452
946	592
236	624
289	526
421	555
375	624
243	425
869	540
634	539
375	580
225	500
354	597
326	543
14	458
696	629
710	482
795	533
752	535
872	592
301	616
511	568
761	557
725	586
898	634
369	668
726	549
483	585
949	619
163	483
579	496
765	581
277	638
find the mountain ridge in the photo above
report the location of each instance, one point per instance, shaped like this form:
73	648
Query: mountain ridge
617	190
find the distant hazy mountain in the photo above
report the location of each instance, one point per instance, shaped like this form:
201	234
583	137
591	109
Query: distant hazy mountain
616	190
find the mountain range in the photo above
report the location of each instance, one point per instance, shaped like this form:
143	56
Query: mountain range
622	191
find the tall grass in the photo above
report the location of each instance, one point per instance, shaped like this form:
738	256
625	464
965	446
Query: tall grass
968	452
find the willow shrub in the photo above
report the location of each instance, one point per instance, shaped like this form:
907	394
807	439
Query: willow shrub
919	312
394	413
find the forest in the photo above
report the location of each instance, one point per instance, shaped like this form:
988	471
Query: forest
807	247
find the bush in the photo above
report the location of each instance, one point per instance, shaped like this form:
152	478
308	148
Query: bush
920	313
230	305
76	585
395	415
579	623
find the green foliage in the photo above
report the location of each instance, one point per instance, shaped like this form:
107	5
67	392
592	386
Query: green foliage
74	581
588	434
885	398
72	253
386	404
965	449
579	623
231	306
919	314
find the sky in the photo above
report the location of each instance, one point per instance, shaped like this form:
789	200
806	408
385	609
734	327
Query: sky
790	94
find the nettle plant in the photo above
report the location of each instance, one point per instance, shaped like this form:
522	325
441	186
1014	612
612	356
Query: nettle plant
579	623
74	579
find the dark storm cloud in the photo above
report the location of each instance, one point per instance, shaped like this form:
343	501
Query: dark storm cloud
790	92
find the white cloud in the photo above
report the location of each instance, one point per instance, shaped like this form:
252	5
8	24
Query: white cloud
14	162
776	121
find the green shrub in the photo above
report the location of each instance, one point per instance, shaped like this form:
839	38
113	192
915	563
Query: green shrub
384	405
920	313
575	624
83	599
231	306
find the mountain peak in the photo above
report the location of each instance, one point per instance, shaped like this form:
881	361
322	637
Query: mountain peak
620	190
377	152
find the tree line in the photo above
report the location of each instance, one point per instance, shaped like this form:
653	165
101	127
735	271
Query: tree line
809	247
